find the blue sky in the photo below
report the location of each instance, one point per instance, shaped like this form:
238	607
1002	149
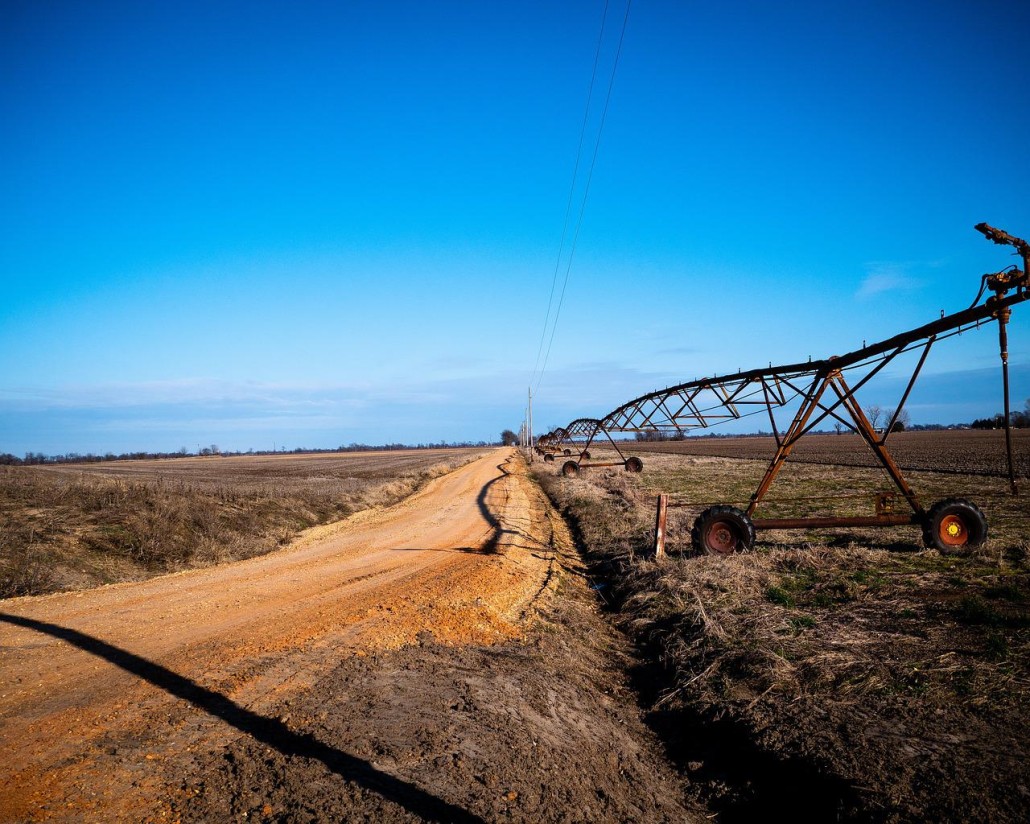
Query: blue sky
313	224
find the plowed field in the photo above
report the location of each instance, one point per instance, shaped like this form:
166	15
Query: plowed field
968	452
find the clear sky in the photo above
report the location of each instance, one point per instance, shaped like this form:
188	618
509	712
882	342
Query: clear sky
310	224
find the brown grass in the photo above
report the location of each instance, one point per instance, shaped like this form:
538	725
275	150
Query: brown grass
818	635
810	608
67	527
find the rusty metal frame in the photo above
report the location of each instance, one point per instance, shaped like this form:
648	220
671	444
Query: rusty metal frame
706	402
578	437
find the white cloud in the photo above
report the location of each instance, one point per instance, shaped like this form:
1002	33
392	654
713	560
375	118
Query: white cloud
886	277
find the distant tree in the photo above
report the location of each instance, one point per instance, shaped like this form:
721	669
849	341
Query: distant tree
902	423
997	422
874	413
509	438
838	427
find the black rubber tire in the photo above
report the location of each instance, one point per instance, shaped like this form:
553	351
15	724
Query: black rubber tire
585	456
570	469
634	464
567	453
548	456
954	526
723	530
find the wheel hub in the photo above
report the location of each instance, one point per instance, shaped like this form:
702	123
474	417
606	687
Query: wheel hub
722	539
953	531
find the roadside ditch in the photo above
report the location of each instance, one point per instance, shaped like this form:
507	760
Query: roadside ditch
718	751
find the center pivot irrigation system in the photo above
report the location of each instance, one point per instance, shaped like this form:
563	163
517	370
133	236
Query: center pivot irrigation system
820	390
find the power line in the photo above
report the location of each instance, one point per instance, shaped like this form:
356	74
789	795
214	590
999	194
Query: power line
572	190
586	192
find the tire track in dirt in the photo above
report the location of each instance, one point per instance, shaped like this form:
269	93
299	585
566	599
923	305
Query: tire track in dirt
82	724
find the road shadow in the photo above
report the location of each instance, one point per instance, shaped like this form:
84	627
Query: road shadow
269	731
499	529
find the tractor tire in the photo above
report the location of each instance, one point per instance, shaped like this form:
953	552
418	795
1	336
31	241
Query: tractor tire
954	526
723	530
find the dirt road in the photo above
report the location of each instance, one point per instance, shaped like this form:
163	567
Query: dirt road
112	701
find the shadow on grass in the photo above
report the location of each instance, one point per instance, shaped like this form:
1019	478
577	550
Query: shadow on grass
268	731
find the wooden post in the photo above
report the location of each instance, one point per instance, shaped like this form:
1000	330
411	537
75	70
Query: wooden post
659	527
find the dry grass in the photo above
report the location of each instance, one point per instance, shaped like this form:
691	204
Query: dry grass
826	610
69	526
816	636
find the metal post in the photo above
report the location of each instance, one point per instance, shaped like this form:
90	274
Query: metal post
659	527
1003	344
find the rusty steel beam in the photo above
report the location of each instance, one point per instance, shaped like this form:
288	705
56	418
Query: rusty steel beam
704	402
792	435
635	415
724	392
816	522
866	430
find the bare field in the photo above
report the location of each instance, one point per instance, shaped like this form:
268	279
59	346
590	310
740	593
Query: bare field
832	674
72	526
980	452
271	472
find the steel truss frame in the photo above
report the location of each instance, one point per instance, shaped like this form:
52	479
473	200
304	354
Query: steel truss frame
823	393
577	438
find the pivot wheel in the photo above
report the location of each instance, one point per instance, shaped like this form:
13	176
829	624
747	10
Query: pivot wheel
567	452
585	456
722	530
634	464
954	525
570	469
548	456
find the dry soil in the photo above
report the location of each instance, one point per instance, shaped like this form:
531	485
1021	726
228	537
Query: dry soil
405	664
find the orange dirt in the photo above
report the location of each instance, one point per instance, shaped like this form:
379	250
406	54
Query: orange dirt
91	682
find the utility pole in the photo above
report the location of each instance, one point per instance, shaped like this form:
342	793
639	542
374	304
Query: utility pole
529	422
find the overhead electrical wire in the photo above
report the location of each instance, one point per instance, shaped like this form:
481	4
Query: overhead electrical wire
572	191
586	192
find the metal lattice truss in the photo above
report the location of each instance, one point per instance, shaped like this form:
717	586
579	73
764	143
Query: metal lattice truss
814	391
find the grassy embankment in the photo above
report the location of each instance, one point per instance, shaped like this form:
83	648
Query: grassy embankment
894	679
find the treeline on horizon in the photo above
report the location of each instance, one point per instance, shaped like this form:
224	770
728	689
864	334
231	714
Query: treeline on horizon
37	458
1020	420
